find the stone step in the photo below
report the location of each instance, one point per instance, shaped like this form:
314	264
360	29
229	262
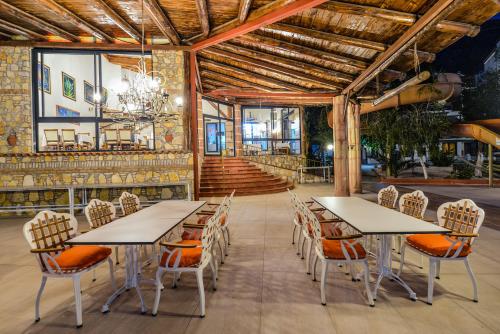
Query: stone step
247	192
240	183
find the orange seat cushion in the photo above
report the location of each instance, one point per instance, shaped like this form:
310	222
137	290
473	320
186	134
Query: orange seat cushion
333	250
436	245
81	257
189	258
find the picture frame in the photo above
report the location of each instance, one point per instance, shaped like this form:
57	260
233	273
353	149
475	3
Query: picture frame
68	86
62	111
46	78
88	92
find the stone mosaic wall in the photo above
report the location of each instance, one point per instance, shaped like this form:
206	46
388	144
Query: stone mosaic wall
283	165
15	99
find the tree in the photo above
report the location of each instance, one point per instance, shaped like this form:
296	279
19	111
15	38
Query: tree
317	129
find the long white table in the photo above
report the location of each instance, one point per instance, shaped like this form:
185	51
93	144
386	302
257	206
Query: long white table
372	219
144	227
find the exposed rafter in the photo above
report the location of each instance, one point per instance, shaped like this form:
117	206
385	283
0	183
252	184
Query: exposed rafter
162	21
66	15
116	18
244	9
226	78
17	30
37	22
428	20
276	94
273	68
270	13
201	6
206	63
217	83
403	18
4	34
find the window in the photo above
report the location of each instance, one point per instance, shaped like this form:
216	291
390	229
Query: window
273	130
218	127
77	106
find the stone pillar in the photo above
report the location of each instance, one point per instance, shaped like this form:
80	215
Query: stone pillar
237	130
354	143
340	158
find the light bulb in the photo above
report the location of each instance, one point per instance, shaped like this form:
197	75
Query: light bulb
179	101
329	147
97	97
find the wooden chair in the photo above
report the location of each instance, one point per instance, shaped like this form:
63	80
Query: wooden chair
387	197
52	138
46	234
336	249
100	213
86	142
68	138
125	138
189	256
111	138
413	204
129	203
463	218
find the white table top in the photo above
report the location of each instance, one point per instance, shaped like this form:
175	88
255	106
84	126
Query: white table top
143	227
370	218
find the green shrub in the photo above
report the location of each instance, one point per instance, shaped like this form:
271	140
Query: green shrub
441	159
462	171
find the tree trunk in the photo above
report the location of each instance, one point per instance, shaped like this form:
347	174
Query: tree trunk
479	164
421	159
388	151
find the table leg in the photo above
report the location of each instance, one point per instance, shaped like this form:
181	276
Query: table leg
132	278
384	265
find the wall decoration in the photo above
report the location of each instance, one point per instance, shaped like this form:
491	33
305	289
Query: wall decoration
66	112
68	86
46	78
104	96
88	92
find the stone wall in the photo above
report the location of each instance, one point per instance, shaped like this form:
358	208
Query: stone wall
283	165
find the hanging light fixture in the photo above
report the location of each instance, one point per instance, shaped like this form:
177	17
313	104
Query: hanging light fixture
142	98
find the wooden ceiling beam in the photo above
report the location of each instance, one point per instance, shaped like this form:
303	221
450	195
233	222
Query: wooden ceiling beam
289	101
228	68
439	10
162	21
272	67
116	18
66	15
4	34
37	22
249	94
95	46
197	69
201	6
217	83
229	79
18	30
407	19
270	13
244	10
308	68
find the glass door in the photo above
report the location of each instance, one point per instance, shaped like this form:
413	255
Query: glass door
212	136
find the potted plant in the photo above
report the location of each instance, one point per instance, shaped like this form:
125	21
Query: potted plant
12	138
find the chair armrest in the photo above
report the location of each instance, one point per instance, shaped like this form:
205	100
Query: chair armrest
200	226
329	221
344	237
206	212
176	245
47	250
463	235
213	204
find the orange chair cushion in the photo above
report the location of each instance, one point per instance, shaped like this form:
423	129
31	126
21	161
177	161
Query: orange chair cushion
80	257
436	245
326	230
333	250
189	258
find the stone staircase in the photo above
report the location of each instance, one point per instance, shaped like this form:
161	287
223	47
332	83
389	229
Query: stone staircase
219	178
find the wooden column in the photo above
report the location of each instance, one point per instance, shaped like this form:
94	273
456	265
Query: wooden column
354	143
194	122
340	161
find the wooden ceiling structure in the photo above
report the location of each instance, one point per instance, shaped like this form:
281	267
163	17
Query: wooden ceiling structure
261	51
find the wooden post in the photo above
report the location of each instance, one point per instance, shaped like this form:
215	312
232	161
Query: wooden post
194	123
354	143
340	161
490	165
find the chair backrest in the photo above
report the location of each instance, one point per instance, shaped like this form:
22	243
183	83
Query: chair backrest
125	135
208	234
297	208
99	213
51	135
462	216
387	197
111	135
129	203
413	204
50	229
68	135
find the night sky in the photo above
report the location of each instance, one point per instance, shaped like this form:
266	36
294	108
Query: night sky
468	54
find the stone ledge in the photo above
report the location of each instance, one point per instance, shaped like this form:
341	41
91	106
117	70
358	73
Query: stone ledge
77	153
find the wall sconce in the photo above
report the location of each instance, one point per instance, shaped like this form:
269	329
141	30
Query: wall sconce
179	101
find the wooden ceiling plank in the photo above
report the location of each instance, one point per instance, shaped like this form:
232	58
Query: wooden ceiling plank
67	15
439	10
37	22
273	12
201	6
248	93
162	21
244	10
224	78
225	67
116	18
403	18
273	68
17	30
217	83
4	34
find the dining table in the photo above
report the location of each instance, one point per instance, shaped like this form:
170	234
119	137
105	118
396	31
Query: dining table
144	227
373	219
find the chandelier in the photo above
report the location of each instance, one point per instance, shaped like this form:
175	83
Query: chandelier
143	98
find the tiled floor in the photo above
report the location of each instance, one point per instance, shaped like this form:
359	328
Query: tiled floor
262	288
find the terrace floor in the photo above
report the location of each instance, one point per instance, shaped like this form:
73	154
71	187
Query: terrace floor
262	288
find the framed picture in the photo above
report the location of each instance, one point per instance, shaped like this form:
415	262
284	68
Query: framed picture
88	92
46	78
68	86
66	112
